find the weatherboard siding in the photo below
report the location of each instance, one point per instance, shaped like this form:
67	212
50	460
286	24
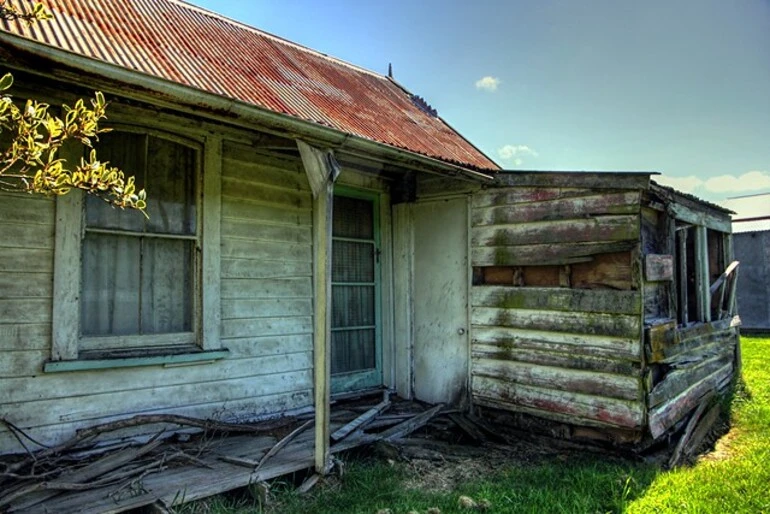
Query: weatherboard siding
556	330
266	315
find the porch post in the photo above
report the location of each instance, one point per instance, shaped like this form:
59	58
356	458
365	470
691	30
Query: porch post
322	170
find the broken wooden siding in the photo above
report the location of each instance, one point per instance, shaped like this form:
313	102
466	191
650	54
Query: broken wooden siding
686	359
556	306
266	308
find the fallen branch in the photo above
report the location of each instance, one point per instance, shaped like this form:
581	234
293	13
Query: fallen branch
282	443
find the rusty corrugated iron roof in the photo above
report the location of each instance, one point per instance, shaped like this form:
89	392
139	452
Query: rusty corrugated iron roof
188	45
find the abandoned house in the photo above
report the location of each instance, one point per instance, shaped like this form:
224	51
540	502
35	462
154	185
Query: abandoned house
315	230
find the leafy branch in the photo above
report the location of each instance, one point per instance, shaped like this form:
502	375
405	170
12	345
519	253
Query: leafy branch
31	161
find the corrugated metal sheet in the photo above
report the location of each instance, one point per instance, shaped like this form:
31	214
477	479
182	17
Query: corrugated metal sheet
191	46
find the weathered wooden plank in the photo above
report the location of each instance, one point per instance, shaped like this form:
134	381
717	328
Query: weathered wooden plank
678	380
25	310
575	359
677	454
513	339
360	421
98	406
605	271
666	415
28	336
263	346
211	262
559	209
702	282
266	194
36	260
245	154
581	179
616	325
22	363
234	409
260	173
244	248
695	331
430	186
702	218
551	299
410	425
80	384
666	342
260	268
563	406
545	254
266	288
27	210
499	196
593	383
266	326
596	229
246	309
262	231
249	209
658	267
26	285
26	236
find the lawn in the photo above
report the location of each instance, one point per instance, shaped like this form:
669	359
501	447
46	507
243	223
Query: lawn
732	478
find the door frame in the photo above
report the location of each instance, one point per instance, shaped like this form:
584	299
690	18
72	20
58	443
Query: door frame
360	380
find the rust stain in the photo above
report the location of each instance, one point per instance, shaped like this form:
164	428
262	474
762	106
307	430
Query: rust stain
200	49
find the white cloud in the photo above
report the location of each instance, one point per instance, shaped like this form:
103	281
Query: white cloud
488	83
720	185
685	184
515	152
750	181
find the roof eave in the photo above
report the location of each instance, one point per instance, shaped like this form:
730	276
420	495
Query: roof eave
182	95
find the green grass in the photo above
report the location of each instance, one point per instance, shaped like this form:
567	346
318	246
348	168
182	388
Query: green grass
733	479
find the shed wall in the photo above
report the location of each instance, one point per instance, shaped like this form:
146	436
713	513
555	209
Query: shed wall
752	249
556	307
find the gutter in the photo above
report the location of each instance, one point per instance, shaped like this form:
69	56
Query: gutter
197	99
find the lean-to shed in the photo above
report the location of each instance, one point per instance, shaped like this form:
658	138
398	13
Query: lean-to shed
315	229
600	300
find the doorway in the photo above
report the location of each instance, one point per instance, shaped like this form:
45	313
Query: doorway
356	340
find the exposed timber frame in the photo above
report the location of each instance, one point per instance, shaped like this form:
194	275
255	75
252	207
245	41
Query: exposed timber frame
322	170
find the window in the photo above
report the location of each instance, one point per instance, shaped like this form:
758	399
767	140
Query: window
126	284
138	273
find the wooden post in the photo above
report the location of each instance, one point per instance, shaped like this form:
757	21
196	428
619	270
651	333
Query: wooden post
322	171
682	250
702	285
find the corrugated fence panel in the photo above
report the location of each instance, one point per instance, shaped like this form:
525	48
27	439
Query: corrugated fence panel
570	352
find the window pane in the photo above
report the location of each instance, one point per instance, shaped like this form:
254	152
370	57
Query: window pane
352	350
166	280
171	187
352	262
127	152
353	217
110	289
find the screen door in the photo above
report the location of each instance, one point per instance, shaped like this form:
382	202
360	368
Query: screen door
355	345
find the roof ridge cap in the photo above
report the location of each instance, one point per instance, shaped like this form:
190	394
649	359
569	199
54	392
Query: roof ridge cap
279	39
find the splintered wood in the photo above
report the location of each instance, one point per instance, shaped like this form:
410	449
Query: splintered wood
76	476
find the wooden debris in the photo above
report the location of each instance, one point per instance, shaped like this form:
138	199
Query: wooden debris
677	454
308	484
468	427
282	443
410	425
702	430
360	421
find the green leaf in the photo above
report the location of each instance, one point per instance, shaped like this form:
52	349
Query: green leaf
6	81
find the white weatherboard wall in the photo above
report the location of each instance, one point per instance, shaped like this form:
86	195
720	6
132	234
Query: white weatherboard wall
266	311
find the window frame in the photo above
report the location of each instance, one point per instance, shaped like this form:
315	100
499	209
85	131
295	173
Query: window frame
67	339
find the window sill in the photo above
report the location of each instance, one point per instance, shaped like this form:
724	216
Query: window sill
182	359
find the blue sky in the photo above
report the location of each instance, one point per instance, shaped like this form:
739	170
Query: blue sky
676	86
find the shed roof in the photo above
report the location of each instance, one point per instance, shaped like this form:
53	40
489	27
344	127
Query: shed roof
179	42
